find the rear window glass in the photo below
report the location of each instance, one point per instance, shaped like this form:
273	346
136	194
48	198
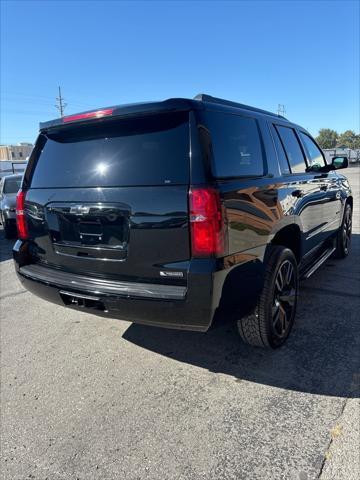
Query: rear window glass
12	185
236	146
150	150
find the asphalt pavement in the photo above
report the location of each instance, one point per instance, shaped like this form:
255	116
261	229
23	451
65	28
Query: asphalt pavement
90	398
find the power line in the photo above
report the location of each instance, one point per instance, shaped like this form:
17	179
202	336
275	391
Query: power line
22	94
38	99
61	104
32	101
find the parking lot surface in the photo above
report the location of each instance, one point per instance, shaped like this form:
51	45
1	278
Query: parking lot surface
88	398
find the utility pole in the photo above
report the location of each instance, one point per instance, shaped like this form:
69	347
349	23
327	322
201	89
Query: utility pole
61	104
281	110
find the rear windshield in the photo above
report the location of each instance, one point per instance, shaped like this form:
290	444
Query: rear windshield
12	185
151	150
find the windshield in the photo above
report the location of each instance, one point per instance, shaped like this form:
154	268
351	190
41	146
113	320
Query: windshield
152	150
12	185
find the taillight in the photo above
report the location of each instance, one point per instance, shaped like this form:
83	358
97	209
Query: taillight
20	215
206	222
88	115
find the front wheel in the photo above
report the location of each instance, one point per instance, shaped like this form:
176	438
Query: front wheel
272	320
343	239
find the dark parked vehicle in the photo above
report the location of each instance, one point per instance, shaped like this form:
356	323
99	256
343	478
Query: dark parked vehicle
9	187
178	212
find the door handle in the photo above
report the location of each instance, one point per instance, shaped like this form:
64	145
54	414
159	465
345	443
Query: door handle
297	193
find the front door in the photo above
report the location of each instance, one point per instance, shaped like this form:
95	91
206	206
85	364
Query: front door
331	206
306	187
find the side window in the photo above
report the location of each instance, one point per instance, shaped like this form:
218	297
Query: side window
314	155
292	148
236	145
284	165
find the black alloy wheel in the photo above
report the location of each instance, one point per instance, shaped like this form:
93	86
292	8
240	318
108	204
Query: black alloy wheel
346	231
284	299
343	239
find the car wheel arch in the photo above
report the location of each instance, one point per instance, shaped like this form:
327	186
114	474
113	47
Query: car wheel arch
289	236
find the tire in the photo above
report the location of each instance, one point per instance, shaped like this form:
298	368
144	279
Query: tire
271	322
343	238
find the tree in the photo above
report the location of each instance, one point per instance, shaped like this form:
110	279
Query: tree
348	139
327	138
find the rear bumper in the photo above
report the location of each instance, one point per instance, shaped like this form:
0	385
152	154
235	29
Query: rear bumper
188	307
97	286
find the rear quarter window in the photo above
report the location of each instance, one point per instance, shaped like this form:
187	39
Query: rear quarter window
151	150
236	145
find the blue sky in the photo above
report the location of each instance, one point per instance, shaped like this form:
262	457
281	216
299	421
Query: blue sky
304	55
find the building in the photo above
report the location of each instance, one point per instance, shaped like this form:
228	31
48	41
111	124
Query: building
21	151
352	155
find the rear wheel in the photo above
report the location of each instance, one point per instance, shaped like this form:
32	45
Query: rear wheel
343	239
272	320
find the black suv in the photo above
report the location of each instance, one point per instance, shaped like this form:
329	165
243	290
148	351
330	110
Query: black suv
173	213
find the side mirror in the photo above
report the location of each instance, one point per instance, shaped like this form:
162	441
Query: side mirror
339	162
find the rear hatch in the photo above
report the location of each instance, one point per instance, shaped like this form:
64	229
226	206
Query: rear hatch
109	198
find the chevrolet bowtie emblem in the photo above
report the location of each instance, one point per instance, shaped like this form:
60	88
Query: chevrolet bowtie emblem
79	209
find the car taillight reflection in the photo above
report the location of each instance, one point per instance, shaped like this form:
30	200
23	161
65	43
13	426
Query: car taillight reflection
21	224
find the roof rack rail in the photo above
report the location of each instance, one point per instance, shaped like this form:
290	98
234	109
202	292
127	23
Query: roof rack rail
202	97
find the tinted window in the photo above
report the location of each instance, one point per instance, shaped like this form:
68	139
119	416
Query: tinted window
314	155
12	185
142	151
293	149
236	145
284	165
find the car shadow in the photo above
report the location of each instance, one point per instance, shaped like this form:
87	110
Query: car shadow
6	246
322	356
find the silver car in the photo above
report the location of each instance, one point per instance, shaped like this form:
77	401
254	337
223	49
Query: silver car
9	186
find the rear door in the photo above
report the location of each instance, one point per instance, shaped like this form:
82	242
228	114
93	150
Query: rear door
238	165
110	198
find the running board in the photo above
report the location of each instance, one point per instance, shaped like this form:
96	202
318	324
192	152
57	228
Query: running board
321	260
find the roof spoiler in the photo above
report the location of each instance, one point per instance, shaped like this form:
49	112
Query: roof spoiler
145	108
202	97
